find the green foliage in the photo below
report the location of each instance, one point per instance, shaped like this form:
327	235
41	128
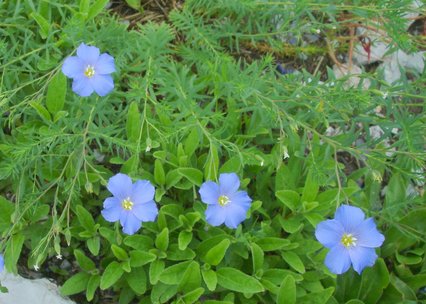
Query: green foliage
196	96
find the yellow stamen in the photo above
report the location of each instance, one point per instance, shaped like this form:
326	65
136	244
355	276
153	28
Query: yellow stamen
348	240
127	204
223	200
89	72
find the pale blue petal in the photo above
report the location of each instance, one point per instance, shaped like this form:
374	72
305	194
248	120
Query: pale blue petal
367	234
235	214
338	260
82	86
102	84
105	64
89	54
142	191
130	222
362	257
241	198
112	202
329	233
73	67
350	217
112	214
228	183
209	192
1	262
120	185
215	215
146	212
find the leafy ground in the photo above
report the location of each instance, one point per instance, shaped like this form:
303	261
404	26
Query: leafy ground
204	87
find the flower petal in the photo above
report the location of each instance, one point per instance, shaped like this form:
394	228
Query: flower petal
329	233
241	198
228	183
102	84
215	215
362	257
1	262
146	212
338	260
73	67
82	86
130	222
209	192
235	214
350	217
367	234
142	191
112	209
105	64
120	185
89	54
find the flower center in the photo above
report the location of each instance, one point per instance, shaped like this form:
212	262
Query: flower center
348	240
89	72
127	204
223	200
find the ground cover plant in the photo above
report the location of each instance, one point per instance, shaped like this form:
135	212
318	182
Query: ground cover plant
207	152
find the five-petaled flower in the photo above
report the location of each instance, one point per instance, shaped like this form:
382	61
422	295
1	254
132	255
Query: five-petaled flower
225	202
351	240
131	203
90	71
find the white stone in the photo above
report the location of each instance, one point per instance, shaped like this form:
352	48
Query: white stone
25	291
353	80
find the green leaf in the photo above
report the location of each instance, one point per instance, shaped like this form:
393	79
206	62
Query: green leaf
287	291
84	6
173	274
272	243
112	274
191	279
211	167
155	270
294	261
139	242
258	257
191	142
210	278
193	296
139	258
133	123
42	23
76	284
56	91
159	175
94	245
137	280
96	8
233	279
85	219
83	261
92	285
184	239
318	297
162	240
289	198
135	4
374	280
13	252
42	111
119	252
6	210
215	255
195	176
311	188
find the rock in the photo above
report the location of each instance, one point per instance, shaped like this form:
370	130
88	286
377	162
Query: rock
25	291
353	80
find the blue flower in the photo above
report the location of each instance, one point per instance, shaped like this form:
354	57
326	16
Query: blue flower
225	202
1	262
131	204
90	71
351	240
